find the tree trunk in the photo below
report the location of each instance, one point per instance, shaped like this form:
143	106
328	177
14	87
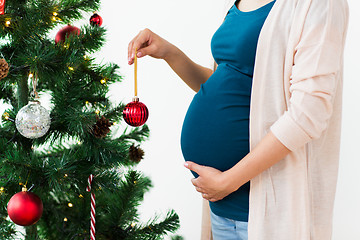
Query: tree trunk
23	99
23	91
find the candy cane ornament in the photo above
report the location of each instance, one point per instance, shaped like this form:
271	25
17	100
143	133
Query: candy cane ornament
92	213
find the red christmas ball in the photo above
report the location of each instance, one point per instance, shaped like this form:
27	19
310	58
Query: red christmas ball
135	113
66	31
25	208
96	20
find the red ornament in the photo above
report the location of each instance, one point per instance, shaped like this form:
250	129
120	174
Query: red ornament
2	7
135	113
95	20
25	208
64	32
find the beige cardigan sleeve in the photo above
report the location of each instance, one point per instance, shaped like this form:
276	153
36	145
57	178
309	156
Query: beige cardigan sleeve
317	61
206	233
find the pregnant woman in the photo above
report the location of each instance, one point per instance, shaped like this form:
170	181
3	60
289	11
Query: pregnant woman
269	113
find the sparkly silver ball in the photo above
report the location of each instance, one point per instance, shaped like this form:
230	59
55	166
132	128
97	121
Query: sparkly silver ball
33	120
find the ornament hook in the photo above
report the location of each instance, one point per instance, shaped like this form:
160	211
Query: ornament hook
34	94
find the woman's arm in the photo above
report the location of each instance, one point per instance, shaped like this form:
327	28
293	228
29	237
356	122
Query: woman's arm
148	43
215	185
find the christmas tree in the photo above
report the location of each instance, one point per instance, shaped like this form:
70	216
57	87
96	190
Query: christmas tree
73	138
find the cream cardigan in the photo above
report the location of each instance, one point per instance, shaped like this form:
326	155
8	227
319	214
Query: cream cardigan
297	94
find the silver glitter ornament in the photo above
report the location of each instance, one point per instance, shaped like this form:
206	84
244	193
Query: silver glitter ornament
33	120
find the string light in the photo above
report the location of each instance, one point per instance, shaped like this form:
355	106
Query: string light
79	142
133	224
55	17
2	189
103	81
6	115
31	75
81	196
71	68
65	175
114	123
87	102
7	23
65	219
97	112
70	205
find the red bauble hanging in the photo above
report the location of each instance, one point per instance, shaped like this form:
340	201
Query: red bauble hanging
95	20
66	31
25	208
2	7
135	113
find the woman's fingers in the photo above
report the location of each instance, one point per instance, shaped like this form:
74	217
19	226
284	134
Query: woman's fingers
131	53
142	40
130	47
200	190
209	198
147	50
148	43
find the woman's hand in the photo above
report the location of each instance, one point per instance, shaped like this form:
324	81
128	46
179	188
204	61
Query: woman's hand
148	43
211	183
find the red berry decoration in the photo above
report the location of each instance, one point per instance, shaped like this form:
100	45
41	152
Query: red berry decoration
25	208
66	31
96	20
135	113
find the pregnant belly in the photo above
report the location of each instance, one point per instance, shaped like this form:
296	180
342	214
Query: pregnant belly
215	131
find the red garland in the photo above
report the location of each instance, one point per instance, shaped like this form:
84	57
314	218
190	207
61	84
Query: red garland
2	7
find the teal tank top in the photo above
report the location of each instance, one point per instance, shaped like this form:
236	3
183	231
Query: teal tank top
215	131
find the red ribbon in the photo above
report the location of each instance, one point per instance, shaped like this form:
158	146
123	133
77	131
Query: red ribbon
2	7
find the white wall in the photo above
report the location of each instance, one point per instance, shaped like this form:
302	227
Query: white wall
189	25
